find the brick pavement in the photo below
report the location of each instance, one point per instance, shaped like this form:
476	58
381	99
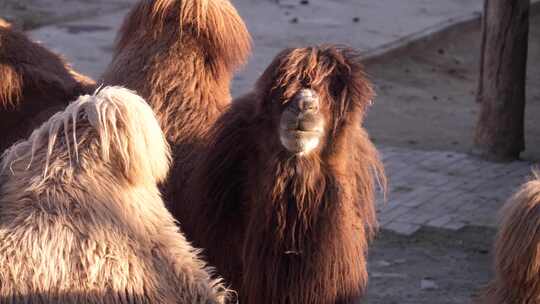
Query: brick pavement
446	190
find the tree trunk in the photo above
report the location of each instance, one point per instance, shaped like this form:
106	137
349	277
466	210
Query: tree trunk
499	131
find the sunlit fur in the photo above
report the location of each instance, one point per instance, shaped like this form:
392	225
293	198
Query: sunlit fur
282	227
517	249
34	84
4	23
81	217
180	55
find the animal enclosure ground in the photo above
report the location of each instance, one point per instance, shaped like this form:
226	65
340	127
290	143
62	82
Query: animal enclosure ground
29	14
426	93
432	266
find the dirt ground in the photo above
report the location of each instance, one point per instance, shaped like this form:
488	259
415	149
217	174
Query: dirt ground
426	93
30	14
425	101
432	266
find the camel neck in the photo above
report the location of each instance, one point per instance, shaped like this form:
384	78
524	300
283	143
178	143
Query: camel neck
186	90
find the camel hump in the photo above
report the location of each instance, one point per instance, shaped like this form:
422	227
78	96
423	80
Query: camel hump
215	25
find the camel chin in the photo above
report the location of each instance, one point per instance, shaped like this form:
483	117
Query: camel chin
300	142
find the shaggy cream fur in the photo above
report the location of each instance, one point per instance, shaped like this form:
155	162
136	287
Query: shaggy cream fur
82	219
517	249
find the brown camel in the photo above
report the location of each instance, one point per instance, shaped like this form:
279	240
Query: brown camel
34	84
282	199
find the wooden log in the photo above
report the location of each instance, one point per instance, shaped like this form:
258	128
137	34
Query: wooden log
499	133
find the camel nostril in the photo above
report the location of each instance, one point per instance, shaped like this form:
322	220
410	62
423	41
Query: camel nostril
308	105
308	101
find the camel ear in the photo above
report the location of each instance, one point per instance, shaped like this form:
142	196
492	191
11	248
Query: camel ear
10	86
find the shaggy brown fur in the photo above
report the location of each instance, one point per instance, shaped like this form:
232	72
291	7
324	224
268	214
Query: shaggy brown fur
517	250
180	55
81	217
283	227
34	84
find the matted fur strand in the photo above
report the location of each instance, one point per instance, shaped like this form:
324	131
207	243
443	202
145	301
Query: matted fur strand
123	122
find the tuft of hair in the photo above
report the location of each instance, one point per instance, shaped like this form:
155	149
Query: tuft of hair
10	87
517	249
124	127
214	23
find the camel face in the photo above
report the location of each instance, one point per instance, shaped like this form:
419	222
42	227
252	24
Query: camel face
301	127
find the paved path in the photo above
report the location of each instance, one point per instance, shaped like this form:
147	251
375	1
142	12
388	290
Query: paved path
440	189
445	189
